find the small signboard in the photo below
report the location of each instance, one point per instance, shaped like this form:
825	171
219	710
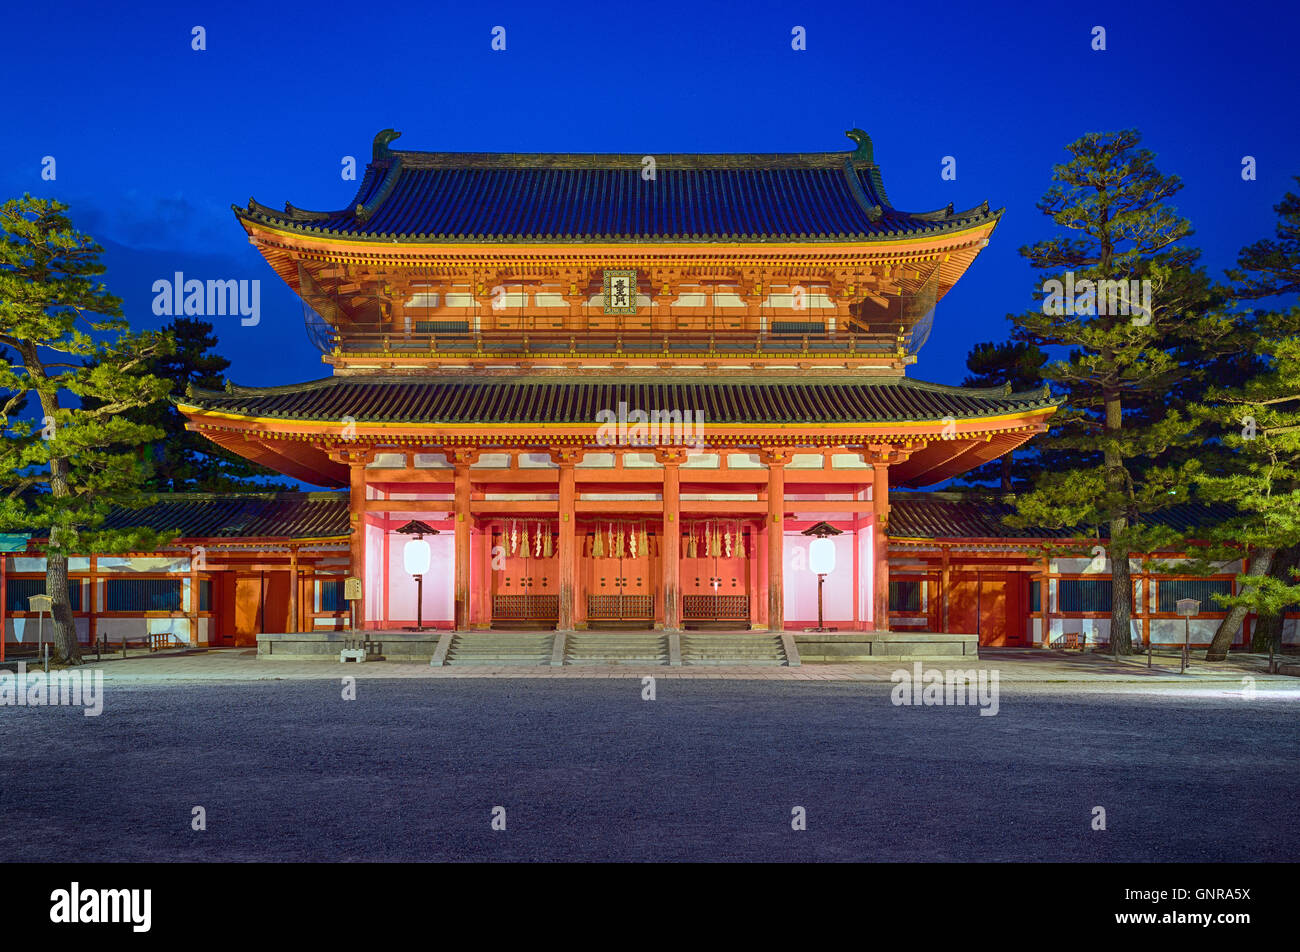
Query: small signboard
40	603
352	589
620	291
1187	607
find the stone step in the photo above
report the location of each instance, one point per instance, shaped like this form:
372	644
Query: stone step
501	648
616	649
733	649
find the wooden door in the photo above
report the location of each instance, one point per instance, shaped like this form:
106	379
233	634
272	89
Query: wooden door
248	609
988	604
224	607
964	604
275	602
715	588
621	590
525	589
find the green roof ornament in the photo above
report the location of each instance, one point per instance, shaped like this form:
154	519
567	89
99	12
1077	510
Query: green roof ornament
864	150
380	150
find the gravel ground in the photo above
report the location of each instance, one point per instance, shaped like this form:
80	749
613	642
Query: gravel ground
587	770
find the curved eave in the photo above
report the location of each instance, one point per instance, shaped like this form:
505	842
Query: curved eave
414	243
297	448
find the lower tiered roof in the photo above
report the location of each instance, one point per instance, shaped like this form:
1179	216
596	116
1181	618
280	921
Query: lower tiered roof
577	400
299	516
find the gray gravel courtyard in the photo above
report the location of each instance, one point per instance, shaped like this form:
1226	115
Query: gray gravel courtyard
587	770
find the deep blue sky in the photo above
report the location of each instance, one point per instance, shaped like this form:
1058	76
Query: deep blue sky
154	141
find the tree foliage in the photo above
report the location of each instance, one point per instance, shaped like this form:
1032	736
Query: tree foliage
64	344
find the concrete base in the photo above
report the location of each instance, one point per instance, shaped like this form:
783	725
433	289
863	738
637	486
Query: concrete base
802	646
882	646
326	645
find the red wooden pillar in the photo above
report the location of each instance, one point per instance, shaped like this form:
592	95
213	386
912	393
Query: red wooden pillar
880	544
567	552
945	586
460	619
386	583
357	540
776	460
857	568
1044	602
485	575
671	550
293	590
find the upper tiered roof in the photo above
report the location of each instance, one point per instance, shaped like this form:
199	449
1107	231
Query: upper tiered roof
432	197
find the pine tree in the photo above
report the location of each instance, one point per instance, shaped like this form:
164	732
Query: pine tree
1120	290
184	461
1253	438
1268	267
1260	426
62	340
1017	365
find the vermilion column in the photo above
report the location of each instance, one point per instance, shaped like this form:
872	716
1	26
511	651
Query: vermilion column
293	589
568	548
462	556
671	549
880	544
357	541
775	460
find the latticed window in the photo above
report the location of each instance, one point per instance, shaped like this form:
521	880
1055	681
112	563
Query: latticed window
142	595
331	595
442	327
904	595
18	590
798	327
1084	595
1201	589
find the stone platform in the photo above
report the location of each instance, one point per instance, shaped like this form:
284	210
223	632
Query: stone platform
812	647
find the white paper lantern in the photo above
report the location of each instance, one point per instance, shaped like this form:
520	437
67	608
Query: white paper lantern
415	557
821	556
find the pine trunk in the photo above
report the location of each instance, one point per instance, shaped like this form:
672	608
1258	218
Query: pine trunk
1121	583
1260	561
1121	596
66	648
1268	628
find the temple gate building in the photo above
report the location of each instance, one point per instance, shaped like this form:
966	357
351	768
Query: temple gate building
616	389
620	386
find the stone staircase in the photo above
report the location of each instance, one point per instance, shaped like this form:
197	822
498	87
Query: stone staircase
501	647
733	648
610	647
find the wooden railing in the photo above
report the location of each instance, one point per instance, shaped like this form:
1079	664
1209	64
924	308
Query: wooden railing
636	342
620	607
715	608
525	608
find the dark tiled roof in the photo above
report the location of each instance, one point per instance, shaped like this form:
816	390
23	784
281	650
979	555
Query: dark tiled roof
570	400
450	196
951	516
325	516
264	515
946	516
